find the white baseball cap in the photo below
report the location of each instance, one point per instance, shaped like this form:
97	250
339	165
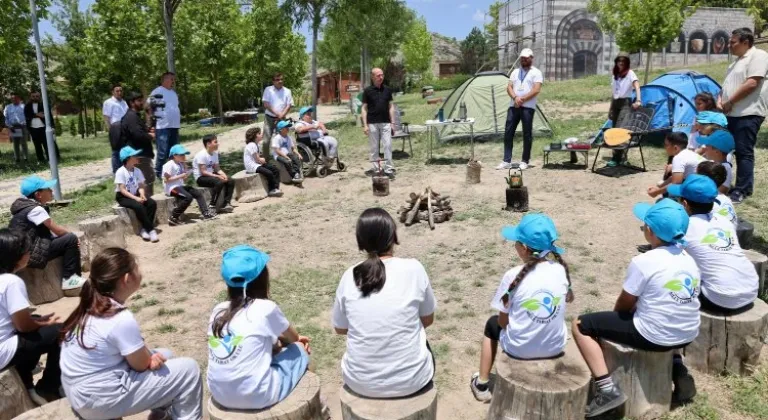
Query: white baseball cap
526	52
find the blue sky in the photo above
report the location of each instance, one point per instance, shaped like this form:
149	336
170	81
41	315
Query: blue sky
452	18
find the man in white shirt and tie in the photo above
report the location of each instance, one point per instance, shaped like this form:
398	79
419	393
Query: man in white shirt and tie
113	111
277	101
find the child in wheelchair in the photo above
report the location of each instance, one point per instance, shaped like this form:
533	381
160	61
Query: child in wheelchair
313	133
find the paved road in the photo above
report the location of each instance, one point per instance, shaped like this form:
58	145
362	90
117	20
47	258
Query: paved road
74	178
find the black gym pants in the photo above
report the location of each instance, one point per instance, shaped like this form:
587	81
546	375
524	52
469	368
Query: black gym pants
217	185
272	174
31	346
68	248
145	212
184	196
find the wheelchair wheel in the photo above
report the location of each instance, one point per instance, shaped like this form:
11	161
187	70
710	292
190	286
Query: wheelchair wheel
307	159
341	166
322	172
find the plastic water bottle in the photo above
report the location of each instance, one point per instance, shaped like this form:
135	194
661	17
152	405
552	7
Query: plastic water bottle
463	111
440	116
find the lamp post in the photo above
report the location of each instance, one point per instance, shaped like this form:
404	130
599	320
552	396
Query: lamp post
49	133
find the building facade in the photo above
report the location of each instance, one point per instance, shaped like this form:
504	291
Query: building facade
567	42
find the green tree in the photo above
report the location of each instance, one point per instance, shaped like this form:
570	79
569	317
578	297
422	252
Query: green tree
635	28
492	34
335	52
169	8
18	67
417	48
473	51
58	129
72	127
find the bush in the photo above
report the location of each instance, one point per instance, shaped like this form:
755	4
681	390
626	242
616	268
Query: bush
447	83
88	125
80	125
72	127
58	129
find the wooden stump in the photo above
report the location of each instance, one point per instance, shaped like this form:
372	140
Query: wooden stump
302	404
744	232
14	399
473	172
128	217
760	262
541	389
380	186
102	233
285	177
418	407
644	376
57	410
250	188
729	343
517	199
165	207
85	251
44	284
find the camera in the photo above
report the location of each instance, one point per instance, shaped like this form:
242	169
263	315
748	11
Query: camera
156	103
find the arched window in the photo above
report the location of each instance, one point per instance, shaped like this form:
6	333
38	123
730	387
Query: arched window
584	64
697	43
720	42
677	46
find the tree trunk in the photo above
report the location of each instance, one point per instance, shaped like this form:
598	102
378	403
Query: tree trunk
647	66
218	97
95	124
168	20
315	30
85	121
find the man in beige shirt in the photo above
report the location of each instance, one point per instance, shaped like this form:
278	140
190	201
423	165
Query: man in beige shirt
743	100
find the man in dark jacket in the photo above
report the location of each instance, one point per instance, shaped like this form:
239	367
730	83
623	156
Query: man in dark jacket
29	214
136	134
35	116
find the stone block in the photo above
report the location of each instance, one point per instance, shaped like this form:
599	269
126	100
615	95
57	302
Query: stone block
102	233
250	188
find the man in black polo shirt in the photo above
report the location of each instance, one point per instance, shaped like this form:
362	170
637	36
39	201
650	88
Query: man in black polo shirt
378	113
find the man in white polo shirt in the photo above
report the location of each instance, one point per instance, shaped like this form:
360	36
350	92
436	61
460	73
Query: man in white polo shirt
524	85
113	111
277	100
743	100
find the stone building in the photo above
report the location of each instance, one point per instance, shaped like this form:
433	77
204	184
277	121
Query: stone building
446	56
567	42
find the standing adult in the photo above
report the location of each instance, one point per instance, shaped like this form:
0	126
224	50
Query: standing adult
277	101
378	113
134	133
16	123
743	100
35	117
524	85
623	83
168	121
114	110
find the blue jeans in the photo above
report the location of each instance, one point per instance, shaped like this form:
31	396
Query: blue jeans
165	139
514	116
744	130
116	164
291	363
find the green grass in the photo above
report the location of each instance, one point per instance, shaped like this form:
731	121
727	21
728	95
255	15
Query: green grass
166	328
699	409
169	312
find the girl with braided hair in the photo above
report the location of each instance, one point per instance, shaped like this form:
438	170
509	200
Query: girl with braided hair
531	301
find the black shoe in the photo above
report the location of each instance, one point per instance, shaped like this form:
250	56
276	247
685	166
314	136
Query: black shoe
210	215
737	197
644	248
685	386
605	401
174	221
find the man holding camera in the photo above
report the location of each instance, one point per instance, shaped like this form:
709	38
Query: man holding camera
277	101
168	117
134	133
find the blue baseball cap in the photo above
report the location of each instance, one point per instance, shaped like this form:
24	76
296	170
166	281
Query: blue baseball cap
34	183
536	231
242	264
304	110
127	152
178	150
712	117
696	188
283	124
667	219
721	140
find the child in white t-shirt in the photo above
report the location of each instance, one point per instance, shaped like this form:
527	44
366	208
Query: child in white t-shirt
255	163
723	207
174	174
531	301
107	371
383	305
209	174
255	356
130	193
729	281
284	151
684	162
658	309
25	337
716	147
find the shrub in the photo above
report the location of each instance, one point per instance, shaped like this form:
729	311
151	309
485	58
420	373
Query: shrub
80	125
447	83
72	127
58	129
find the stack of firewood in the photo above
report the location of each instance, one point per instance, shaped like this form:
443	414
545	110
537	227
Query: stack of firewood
429	206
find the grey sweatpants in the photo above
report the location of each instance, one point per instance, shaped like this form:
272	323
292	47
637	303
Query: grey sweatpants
381	135
124	392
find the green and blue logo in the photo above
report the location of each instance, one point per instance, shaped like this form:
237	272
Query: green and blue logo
718	239
684	287
225	348
543	306
728	212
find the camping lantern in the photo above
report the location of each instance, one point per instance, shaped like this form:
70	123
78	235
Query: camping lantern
517	193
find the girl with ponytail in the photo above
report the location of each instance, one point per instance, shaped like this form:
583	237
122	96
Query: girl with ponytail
107	371
383	306
531	301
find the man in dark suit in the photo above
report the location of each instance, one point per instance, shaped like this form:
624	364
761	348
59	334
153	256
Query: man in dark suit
35	116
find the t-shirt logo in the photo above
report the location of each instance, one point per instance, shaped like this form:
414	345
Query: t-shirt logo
718	239
684	288
131	184
226	349
728	212
542	307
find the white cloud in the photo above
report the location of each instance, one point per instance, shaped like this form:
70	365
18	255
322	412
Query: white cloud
463	6
479	16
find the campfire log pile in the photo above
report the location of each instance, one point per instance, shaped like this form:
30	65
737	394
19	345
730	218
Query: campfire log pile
429	206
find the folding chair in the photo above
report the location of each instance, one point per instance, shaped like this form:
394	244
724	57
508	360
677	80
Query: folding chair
638	123
401	129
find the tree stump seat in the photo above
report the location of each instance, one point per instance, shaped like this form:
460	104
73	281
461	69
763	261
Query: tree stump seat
729	343
760	262
644	376
85	251
44	284
165	207
250	188
102	233
541	389
128	217
745	232
57	410
422	406
285	177
14	399
302	404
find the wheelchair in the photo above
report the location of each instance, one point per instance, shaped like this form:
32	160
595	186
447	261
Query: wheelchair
314	160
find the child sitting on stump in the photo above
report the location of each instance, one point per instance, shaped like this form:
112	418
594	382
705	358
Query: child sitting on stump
25	337
129	193
684	162
174	174
657	310
729	281
47	240
255	356
723	206
284	151
209	174
717	147
254	162
531	301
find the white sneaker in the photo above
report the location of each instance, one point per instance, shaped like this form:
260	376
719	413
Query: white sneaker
483	396
73	282
144	235
504	165
523	166
275	193
153	236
